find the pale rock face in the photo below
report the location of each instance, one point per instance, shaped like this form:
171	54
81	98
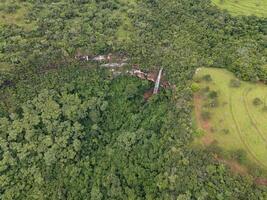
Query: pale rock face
198	70
114	65
99	58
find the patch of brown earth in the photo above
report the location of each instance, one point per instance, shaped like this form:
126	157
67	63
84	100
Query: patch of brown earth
148	94
234	166
207	139
205	124
261	181
237	168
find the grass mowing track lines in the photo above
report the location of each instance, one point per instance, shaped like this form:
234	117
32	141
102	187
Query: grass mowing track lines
243	7
240	135
252	119
243	127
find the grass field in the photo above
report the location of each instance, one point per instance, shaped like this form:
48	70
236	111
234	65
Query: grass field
244	7
232	116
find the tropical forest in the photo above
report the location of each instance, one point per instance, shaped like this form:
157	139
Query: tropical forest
133	100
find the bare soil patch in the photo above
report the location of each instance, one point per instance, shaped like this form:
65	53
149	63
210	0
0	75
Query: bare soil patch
207	139
261	181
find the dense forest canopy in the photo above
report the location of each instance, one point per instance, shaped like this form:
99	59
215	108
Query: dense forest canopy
73	130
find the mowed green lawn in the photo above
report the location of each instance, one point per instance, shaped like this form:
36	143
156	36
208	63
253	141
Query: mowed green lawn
244	7
236	122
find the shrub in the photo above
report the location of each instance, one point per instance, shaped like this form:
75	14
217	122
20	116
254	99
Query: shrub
207	78
235	83
199	132
214	148
195	87
224	103
240	155
214	103
12	8
226	131
213	130
213	94
205	115
205	90
197	79
264	109
257	101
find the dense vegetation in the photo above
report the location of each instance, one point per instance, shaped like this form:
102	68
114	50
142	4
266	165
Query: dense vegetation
71	130
182	35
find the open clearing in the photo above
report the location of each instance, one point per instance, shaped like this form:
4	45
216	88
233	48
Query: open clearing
244	7
234	117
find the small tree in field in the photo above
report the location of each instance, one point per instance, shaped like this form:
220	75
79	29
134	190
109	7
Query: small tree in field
213	95
195	87
214	103
205	115
226	131
207	78
257	101
240	155
264	109
205	90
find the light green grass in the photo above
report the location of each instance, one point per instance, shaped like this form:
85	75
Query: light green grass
236	112
244	7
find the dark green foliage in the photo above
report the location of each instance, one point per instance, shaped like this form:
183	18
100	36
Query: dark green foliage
207	78
195	87
213	94
10	8
94	138
205	115
239	155
264	109
205	90
226	131
213	99
214	148
70	131
199	132
257	101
